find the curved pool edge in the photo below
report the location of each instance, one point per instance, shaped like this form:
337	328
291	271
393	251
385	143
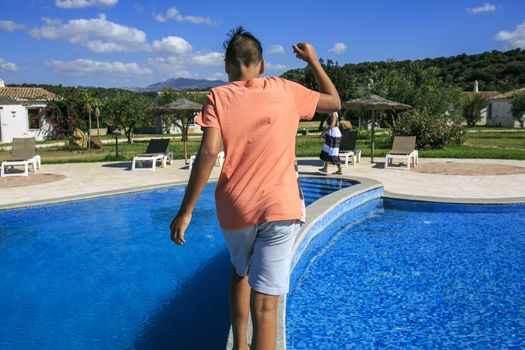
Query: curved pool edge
319	214
91	195
455	200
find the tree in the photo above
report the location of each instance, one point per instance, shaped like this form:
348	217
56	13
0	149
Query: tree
518	108
87	106
183	119
97	106
472	109
436	115
126	109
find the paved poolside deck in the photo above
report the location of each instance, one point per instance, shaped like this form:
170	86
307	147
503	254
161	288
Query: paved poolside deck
84	180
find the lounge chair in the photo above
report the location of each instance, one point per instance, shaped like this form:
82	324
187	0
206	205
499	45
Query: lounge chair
403	147
157	151
348	146
22	154
219	162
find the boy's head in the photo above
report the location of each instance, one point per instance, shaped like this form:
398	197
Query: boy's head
243	56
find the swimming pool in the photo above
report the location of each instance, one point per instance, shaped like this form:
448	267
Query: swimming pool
103	273
402	274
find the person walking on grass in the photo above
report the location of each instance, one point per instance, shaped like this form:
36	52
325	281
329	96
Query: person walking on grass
330	150
257	198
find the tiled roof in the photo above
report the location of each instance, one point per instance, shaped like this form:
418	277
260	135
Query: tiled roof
511	93
5	101
484	94
27	94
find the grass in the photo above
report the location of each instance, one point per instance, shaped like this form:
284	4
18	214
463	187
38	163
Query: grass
480	143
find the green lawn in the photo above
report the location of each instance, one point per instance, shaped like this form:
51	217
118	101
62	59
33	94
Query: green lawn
487	143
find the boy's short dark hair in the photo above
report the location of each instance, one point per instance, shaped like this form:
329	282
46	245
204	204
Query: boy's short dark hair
242	48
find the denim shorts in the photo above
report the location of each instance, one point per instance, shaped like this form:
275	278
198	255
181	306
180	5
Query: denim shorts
264	252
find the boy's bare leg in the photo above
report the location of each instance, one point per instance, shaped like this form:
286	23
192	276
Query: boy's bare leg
264	320
239	300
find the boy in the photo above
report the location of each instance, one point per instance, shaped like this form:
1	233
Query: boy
257	197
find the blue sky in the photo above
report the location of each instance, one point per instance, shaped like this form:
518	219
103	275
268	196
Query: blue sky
117	43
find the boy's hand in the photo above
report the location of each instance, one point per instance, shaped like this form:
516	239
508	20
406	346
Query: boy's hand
305	52
178	227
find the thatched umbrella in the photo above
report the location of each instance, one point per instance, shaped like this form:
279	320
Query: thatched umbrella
180	108
373	103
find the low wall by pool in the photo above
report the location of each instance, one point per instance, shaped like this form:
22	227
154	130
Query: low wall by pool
318	216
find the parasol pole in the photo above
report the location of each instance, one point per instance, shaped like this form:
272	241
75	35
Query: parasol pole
372	146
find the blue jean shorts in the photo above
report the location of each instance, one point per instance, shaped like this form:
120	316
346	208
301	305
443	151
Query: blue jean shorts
264	253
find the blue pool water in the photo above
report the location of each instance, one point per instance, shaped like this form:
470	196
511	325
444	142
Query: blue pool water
103	273
408	275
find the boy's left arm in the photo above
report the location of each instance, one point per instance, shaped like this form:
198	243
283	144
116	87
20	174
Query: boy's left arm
203	165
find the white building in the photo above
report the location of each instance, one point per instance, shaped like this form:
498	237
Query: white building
501	110
20	111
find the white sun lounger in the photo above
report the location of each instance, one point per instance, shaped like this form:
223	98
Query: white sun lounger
22	154
403	148
219	162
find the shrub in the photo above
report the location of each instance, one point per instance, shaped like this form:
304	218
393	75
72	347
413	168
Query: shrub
518	108
63	127
363	134
431	131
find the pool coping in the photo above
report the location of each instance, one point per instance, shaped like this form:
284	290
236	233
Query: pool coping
314	214
455	200
92	195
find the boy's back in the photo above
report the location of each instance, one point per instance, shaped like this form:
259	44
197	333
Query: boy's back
258	120
258	200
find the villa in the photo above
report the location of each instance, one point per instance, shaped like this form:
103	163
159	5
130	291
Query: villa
20	111
500	110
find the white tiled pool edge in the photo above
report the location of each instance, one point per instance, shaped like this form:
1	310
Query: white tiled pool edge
318	215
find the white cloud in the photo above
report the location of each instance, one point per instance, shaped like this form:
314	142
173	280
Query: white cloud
52	21
173	13
276	49
515	39
97	34
88	67
179	66
78	4
338	48
487	7
10	26
172	44
208	59
8	66
271	66
217	76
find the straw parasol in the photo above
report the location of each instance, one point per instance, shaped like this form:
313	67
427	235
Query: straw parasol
373	103
180	109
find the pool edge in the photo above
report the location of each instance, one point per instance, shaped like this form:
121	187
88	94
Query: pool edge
315	212
455	200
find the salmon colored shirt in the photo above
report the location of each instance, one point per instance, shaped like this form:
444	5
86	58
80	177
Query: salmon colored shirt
258	121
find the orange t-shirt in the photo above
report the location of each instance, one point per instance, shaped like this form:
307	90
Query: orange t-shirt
258	121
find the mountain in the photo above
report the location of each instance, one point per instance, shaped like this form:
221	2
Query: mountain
180	84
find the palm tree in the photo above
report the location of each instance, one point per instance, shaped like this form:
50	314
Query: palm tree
87	105
97	105
472	109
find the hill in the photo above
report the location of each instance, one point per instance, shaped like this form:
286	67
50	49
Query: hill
181	84
494	70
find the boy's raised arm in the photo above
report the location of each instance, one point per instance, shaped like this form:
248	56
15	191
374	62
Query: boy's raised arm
329	100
